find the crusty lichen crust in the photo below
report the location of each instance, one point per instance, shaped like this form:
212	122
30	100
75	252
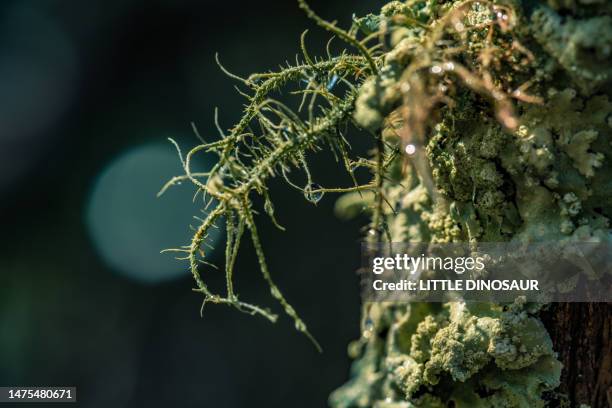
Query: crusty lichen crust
474	355
540	172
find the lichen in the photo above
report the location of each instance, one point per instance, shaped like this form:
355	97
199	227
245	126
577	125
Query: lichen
490	122
547	178
582	47
472	355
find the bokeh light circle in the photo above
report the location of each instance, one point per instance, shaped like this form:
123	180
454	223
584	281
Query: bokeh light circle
129	225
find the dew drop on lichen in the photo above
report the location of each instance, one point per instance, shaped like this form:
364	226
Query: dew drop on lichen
332	82
501	16
368	328
410	149
311	194
288	134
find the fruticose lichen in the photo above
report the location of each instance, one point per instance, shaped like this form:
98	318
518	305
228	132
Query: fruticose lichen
490	122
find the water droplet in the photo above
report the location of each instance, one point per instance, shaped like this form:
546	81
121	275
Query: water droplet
410	149
368	328
449	66
306	78
332	82
405	87
288	134
459	26
311	194
436	69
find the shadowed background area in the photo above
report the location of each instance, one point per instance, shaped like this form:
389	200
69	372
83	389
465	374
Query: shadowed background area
89	93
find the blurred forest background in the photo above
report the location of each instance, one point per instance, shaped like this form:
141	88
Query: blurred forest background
89	92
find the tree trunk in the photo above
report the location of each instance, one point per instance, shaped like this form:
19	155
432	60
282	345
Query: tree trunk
582	335
540	174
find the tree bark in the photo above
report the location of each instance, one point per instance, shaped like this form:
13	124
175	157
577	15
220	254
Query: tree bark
582	335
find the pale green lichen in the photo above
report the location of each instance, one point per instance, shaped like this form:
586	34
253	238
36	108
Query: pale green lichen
472	355
547	178
583	47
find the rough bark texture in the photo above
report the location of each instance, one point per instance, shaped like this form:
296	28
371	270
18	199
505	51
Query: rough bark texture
582	335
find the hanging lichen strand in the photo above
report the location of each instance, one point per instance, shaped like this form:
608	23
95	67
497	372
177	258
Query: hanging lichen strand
489	122
270	140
